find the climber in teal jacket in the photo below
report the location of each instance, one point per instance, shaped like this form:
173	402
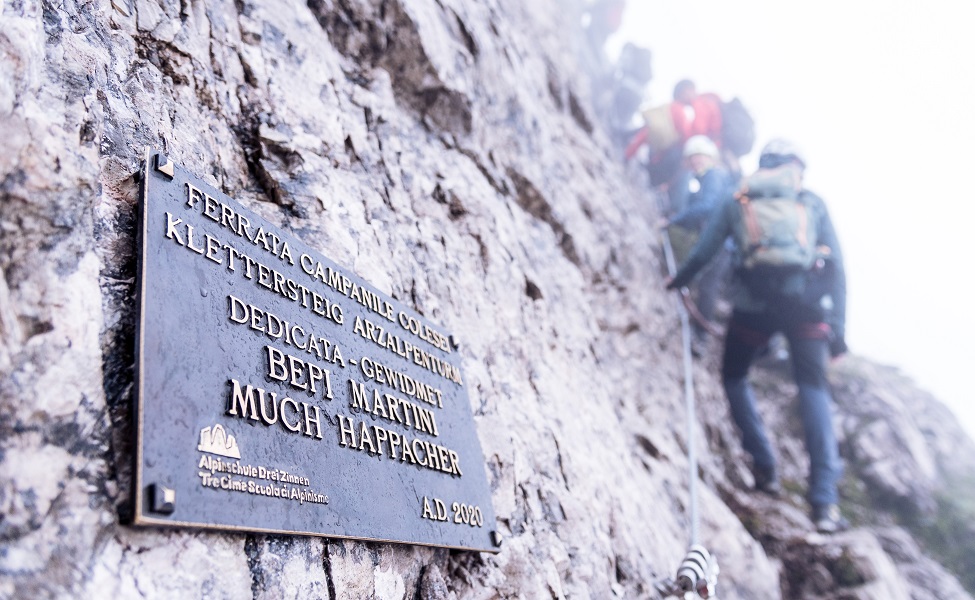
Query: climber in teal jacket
808	306
713	186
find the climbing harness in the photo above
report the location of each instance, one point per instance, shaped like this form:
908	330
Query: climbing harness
698	571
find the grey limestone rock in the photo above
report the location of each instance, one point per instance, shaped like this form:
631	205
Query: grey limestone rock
446	152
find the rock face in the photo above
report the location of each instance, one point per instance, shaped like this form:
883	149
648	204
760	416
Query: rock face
445	151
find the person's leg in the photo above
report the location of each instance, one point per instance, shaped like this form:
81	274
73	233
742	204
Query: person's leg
810	353
742	342
710	282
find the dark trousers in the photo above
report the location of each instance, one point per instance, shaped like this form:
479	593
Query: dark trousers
809	349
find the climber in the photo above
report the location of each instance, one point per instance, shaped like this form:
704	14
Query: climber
632	73
603	18
668	128
707	186
788	277
694	113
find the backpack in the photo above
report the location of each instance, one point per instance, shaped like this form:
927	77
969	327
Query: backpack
635	63
777	228
737	127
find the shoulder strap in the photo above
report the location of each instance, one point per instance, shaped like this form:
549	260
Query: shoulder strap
752	230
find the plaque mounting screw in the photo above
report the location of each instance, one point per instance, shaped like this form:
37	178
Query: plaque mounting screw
164	165
162	499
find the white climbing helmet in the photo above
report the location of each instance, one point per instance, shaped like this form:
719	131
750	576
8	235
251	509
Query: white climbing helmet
785	150
700	144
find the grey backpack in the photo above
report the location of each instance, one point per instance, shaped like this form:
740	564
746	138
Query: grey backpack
777	228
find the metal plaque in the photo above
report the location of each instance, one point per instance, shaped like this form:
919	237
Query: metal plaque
281	393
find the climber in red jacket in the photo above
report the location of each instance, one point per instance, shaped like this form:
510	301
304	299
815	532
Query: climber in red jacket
690	114
696	114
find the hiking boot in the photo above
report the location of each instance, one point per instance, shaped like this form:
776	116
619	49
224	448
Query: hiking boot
767	482
828	519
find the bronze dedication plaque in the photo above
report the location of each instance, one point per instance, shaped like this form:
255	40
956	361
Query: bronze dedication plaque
278	392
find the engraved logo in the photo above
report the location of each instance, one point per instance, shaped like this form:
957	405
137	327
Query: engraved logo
216	440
